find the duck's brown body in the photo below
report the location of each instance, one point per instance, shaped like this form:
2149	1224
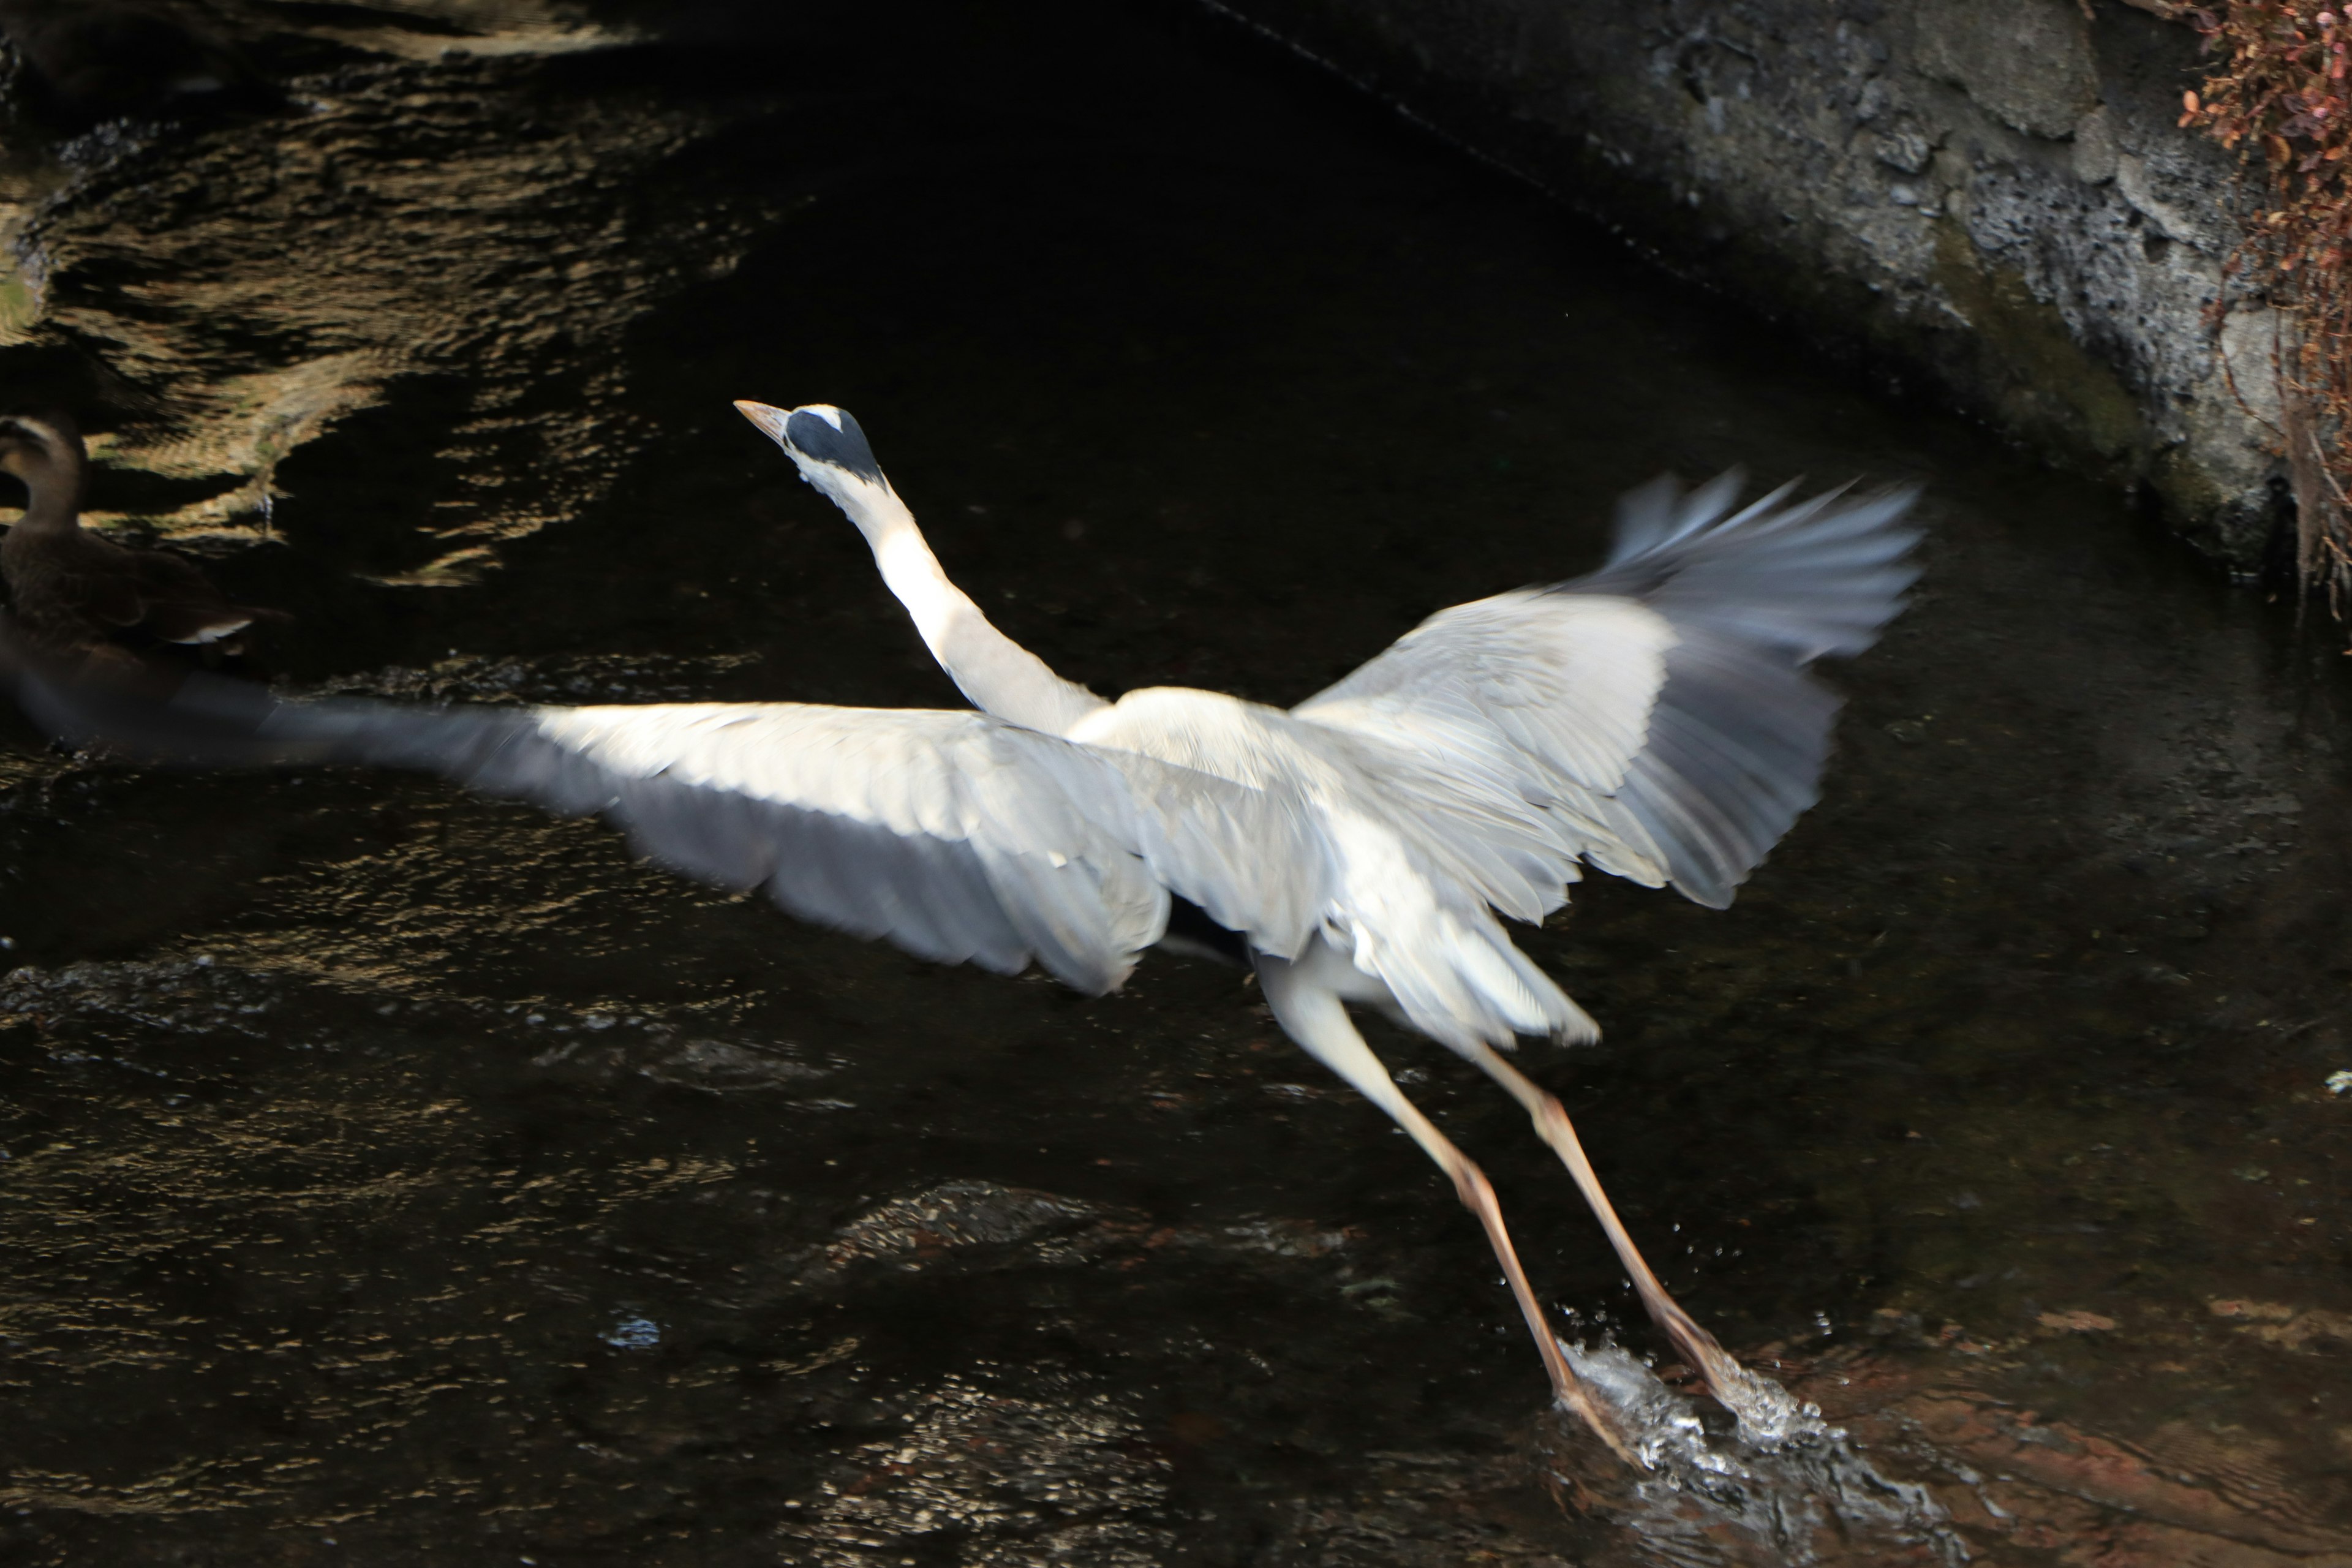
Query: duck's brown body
74	595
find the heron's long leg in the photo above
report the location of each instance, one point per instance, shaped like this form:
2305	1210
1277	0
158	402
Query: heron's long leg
1726	1378
1312	1015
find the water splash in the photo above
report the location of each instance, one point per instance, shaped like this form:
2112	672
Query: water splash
1784	1487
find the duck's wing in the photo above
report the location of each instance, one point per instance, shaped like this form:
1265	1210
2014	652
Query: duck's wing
177	603
79	581
957	837
1659	710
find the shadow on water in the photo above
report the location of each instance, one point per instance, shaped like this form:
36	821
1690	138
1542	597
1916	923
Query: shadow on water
393	1177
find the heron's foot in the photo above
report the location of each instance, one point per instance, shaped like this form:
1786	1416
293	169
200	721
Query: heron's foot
1756	1402
1576	1397
1768	1414
1724	1378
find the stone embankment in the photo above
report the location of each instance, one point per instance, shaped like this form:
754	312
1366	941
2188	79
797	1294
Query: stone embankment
1989	199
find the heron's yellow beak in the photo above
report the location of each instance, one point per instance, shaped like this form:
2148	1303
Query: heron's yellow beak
771	421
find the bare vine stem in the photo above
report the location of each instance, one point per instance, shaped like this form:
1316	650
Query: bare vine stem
2277	95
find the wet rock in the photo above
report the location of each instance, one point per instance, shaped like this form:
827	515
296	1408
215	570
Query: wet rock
2076	1323
2307	1330
2030	61
994	1477
1434	1509
2009	1478
179	997
715	1067
720	1066
979	1224
1282	1237
585	678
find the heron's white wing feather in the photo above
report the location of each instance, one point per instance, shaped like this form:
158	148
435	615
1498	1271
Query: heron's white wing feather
1658	711
956	836
1396	856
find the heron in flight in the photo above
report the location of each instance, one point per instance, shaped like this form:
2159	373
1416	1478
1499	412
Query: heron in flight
1655	720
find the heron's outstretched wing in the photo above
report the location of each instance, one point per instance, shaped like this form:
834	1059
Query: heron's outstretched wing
956	836
1659	709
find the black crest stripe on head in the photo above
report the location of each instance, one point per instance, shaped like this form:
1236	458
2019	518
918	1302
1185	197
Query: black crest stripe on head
813	437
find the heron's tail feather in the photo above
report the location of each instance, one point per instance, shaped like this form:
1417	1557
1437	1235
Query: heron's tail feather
1457	977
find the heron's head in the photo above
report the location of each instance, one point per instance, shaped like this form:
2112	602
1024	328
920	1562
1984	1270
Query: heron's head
825	442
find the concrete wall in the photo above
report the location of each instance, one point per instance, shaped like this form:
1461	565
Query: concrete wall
1988	197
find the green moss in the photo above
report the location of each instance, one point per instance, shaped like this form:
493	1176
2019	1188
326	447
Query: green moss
2186	488
19	309
2041	381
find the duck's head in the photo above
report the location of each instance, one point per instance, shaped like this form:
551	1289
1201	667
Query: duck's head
42	446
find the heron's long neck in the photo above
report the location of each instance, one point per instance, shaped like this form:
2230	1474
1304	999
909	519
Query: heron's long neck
998	675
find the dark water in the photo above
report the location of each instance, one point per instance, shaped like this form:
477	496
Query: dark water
392	1177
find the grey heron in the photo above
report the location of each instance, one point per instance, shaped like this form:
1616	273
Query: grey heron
75	594
1656	719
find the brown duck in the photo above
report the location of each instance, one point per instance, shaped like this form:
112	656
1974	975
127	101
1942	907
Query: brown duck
76	597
